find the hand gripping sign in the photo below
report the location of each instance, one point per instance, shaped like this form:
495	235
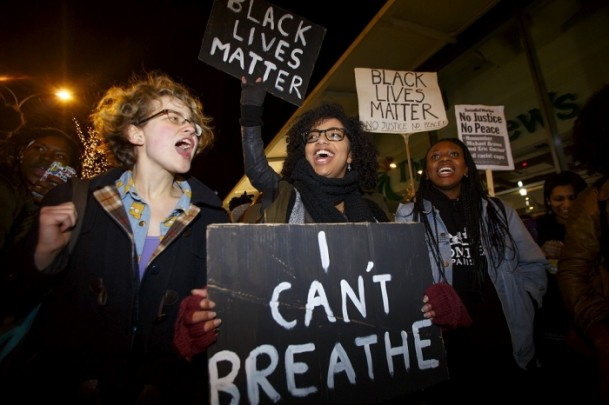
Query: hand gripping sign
256	38
320	313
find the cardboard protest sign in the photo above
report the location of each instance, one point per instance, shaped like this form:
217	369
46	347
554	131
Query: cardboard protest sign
320	313
398	101
483	129
256	38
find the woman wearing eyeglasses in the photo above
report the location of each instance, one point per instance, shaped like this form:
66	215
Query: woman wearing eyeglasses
106	332
329	170
24	159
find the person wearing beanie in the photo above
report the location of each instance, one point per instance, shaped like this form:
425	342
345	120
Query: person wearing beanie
489	279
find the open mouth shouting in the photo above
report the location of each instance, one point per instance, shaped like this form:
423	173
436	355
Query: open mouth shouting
323	156
445	171
185	147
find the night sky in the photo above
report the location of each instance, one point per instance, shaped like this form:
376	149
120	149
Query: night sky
92	45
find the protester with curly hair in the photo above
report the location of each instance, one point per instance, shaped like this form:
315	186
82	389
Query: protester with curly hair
106	332
329	174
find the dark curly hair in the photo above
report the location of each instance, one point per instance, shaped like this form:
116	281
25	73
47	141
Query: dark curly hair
494	232
591	132
564	178
363	151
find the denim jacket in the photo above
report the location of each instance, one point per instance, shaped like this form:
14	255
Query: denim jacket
520	279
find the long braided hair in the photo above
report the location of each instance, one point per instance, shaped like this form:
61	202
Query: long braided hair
492	235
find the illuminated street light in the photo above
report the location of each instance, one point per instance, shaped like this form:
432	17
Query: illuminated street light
12	108
62	94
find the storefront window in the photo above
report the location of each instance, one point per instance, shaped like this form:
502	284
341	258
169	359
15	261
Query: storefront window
570	40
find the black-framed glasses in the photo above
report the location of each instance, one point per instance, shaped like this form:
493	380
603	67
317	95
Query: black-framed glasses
175	118
332	134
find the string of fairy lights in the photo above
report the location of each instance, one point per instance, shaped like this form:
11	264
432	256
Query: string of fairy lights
93	158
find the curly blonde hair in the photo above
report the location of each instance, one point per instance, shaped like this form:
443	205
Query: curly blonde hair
124	106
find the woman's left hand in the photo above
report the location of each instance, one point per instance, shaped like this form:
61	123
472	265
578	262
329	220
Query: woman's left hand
427	308
552	249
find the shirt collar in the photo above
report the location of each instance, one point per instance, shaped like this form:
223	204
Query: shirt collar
126	187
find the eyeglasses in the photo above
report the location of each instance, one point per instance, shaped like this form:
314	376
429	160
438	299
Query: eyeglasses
175	118
331	134
41	149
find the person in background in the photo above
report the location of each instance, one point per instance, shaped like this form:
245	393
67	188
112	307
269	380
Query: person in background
559	193
254	213
24	158
330	166
557	360
238	205
489	278
583	268
118	325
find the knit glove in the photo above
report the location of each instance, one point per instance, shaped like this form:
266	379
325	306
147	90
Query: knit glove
190	338
449	309
252	101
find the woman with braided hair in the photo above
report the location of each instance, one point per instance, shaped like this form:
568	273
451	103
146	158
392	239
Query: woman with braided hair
489	275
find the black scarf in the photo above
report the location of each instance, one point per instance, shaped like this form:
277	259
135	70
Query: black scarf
451	211
321	194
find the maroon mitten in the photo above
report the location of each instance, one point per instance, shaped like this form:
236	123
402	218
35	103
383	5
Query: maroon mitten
190	338
449	309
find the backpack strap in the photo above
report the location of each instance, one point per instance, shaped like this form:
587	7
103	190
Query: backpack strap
79	197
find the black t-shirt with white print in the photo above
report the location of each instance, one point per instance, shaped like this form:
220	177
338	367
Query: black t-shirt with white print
486	343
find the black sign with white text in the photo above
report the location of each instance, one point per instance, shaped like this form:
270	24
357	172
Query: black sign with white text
257	39
320	313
